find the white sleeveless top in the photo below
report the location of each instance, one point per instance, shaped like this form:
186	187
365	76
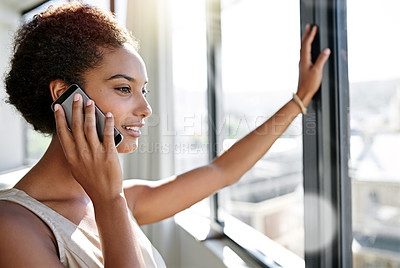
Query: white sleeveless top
77	247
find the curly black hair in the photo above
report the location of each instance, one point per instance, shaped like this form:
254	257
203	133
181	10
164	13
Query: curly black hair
60	43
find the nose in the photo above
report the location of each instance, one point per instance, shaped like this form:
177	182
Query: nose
143	108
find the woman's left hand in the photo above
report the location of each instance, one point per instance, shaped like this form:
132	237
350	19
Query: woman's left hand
310	74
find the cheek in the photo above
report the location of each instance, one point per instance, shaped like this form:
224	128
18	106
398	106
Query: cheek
114	108
109	107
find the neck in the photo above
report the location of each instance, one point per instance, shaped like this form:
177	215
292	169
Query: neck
51	178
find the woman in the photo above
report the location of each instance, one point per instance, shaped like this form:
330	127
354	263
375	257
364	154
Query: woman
71	208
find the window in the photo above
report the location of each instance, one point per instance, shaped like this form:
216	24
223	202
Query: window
189	61
260	55
374	76
240	38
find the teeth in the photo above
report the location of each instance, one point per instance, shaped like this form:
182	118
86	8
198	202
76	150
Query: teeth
133	128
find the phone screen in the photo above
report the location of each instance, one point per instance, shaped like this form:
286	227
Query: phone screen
66	100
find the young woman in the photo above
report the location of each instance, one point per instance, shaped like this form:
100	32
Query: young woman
71	208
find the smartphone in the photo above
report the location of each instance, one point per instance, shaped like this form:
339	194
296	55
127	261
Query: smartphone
66	100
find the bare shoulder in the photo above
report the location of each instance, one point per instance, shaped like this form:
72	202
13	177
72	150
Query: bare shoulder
26	241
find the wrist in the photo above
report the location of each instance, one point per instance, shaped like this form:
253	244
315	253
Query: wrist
305	98
109	203
300	104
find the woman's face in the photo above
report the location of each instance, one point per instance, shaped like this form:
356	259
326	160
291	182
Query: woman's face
118	86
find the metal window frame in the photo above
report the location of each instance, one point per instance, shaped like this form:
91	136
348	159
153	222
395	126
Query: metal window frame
326	138
214	88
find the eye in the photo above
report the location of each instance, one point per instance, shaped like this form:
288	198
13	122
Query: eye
125	90
145	92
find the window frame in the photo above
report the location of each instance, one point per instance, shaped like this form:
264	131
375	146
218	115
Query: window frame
325	132
214	92
326	150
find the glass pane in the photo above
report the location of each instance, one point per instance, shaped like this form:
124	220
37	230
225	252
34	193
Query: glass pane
374	74
260	55
190	88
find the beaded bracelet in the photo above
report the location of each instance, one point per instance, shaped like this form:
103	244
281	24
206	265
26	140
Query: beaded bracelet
300	103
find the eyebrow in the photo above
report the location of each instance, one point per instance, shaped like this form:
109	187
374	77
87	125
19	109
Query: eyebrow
130	79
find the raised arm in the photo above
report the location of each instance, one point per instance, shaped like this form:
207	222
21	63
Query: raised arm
165	198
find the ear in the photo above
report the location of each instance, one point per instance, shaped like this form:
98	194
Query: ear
57	87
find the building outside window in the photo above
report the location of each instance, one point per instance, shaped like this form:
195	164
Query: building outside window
374	74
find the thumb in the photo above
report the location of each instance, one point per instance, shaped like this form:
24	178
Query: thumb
322	58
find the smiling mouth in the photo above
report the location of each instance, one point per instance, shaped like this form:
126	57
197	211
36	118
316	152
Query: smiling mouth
131	128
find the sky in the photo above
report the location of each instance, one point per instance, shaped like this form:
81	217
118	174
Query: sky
373	39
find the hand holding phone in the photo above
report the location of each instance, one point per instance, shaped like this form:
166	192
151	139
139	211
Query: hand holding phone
88	147
66	100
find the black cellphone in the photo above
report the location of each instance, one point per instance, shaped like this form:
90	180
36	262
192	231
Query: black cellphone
66	100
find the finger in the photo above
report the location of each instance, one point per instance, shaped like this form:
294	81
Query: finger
305	52
306	31
63	133
322	58
311	35
77	119
90	123
108	134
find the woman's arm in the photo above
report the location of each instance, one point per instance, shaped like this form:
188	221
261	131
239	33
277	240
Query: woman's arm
95	166
151	203
159	200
